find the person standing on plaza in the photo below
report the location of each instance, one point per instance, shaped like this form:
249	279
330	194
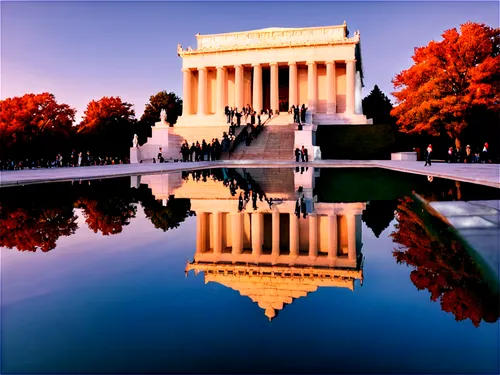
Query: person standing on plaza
428	155
303	113
297	155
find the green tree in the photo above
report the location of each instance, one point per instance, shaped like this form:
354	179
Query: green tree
168	101
378	107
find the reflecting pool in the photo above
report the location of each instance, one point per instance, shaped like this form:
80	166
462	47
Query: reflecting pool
242	271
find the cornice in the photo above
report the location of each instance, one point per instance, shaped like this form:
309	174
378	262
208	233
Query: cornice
270	39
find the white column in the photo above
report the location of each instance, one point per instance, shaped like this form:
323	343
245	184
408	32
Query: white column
202	91
274	86
217	232
225	84
358	96
294	235
257	234
238	86
351	237
292	93
312	86
201	239
350	85
219	107
332	237
237	233
276	235
186	90
331	83
257	88
313	236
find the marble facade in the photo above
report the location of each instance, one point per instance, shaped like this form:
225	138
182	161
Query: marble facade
271	68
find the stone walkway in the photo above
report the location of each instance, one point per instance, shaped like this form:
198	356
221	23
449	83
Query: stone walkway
483	174
478	223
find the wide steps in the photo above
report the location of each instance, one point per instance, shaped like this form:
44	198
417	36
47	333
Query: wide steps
275	142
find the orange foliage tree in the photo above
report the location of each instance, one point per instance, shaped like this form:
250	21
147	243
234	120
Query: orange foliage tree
33	124
34	217
106	205
107	127
443	267
451	82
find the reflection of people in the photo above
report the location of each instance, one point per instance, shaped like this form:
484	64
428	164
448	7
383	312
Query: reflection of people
297	208
303	207
240	202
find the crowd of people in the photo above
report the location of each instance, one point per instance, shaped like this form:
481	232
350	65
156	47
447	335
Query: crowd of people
80	159
210	151
458	155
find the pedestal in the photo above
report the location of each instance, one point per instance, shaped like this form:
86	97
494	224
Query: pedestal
134	155
307	138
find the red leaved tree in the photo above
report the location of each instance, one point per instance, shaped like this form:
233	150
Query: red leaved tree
452	83
34	125
443	267
107	127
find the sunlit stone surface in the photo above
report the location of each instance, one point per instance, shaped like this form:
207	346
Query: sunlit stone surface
272	68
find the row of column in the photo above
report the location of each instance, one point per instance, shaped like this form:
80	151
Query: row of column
257	99
258	234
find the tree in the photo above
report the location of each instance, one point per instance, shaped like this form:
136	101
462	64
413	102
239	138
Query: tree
378	215
107	127
34	217
378	107
450	82
34	125
443	267
168	101
164	217
107	205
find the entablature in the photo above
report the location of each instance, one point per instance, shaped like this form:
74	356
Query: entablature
264	57
270	38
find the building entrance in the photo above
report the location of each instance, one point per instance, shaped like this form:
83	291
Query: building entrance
283	84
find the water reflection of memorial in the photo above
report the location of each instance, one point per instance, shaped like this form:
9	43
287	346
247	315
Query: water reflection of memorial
269	254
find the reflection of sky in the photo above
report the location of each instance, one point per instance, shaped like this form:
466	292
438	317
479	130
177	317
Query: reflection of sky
121	304
29	274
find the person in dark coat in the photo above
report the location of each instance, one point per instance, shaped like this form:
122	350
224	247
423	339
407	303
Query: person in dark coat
303	110
297	154
428	155
160	156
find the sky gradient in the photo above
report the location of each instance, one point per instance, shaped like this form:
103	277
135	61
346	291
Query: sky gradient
81	51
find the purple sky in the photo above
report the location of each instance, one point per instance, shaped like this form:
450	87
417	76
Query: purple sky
81	51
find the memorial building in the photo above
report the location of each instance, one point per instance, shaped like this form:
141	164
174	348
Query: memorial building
267	69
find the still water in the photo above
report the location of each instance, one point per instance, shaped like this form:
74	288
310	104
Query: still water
163	273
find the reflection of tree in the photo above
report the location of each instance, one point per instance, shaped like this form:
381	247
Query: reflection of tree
378	215
106	205
32	219
164	217
443	267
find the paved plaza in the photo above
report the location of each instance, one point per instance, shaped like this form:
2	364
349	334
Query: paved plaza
483	174
478	223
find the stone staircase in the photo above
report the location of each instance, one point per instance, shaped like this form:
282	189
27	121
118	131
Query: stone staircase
275	142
